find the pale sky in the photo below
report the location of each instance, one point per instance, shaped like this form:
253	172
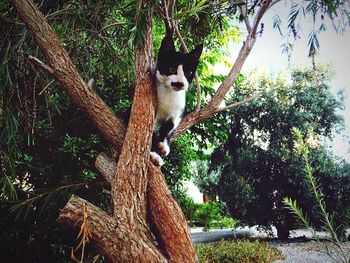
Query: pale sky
334	49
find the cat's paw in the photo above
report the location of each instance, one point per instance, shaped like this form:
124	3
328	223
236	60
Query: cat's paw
156	159
163	148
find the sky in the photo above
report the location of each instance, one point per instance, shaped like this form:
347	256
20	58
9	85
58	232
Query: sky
334	49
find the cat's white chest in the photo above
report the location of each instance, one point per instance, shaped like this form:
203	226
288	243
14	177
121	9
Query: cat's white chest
171	103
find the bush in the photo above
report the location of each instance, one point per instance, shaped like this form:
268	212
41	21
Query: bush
207	213
188	206
237	251
225	222
212	215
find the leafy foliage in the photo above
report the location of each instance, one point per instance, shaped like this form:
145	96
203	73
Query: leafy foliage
320	13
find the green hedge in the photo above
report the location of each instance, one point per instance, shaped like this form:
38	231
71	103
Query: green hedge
237	251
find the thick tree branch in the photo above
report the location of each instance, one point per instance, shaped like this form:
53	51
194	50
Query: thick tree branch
107	234
163	209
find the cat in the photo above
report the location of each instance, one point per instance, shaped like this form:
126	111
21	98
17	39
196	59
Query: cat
174	72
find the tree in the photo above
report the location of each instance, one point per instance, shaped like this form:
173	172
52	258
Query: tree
261	167
139	193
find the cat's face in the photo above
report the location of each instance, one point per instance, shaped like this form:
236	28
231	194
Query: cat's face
176	70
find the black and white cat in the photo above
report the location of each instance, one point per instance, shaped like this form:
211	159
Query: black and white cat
174	73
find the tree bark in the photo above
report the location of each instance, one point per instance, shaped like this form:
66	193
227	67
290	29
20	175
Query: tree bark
166	217
108	235
136	244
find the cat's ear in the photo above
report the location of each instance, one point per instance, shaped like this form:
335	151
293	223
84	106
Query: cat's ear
197	52
167	44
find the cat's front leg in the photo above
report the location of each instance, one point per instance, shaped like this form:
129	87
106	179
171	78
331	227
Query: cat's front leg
165	131
155	157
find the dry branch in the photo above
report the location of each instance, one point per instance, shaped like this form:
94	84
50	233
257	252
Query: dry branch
41	64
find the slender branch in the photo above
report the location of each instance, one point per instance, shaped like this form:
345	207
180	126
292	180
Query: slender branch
111	25
211	108
171	8
46	87
41	64
167	18
243	10
273	3
239	103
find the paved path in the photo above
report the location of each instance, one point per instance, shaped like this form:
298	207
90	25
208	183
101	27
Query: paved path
218	234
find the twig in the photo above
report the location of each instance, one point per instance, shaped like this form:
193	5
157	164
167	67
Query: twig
48	85
59	12
273	3
239	103
41	64
110	25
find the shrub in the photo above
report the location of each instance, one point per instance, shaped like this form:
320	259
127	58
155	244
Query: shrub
225	222
188	206
207	213
237	251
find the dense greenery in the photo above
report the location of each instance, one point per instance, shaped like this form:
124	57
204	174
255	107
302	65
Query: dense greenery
257	166
237	251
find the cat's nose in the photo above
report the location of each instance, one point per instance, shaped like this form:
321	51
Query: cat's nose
177	85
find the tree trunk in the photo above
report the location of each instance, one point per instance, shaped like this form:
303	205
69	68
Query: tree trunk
282	231
140	195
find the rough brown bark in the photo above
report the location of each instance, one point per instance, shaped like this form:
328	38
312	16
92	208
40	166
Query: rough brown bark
111	128
108	235
166	216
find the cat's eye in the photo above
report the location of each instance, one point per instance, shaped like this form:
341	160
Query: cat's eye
172	70
188	73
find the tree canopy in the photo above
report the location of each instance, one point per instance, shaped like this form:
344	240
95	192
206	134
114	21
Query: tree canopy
257	166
